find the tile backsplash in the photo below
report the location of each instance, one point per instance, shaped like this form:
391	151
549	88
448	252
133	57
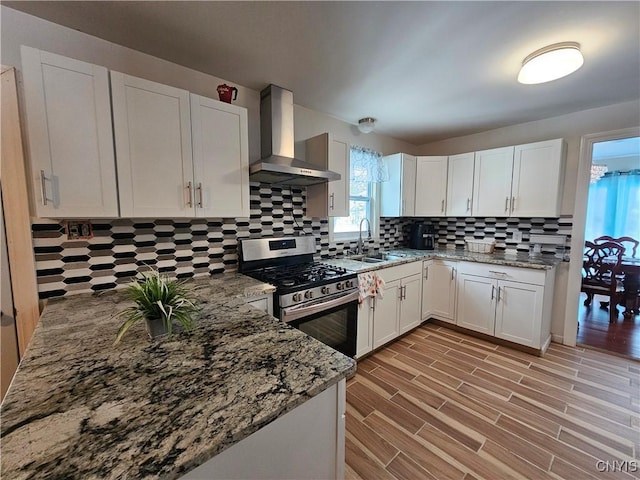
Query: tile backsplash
120	248
183	247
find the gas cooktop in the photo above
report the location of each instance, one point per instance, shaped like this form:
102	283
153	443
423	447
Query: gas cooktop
301	276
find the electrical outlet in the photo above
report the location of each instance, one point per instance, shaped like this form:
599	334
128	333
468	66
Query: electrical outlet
517	236
78	230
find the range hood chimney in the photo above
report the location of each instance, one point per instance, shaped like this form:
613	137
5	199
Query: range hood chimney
278	165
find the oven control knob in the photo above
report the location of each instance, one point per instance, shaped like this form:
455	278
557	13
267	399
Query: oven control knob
308	294
349	284
325	290
297	297
339	286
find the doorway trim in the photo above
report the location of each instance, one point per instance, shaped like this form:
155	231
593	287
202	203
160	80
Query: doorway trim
579	221
16	216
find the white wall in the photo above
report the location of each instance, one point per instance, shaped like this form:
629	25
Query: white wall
571	127
18	28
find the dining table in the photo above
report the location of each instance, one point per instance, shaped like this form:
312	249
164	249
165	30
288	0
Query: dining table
630	267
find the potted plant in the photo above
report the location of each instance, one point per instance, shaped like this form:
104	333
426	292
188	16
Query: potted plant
159	301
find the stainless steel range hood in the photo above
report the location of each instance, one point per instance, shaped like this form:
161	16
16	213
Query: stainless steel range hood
278	165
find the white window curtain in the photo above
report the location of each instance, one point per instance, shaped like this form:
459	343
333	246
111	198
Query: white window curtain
367	166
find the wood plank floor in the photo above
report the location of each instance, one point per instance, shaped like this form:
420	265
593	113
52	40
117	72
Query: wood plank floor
621	337
438	404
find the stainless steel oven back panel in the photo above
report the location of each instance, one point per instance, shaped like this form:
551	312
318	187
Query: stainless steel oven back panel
253	249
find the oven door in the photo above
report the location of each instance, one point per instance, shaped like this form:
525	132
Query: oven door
332	320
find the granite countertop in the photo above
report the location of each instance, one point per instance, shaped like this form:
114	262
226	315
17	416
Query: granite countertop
406	255
79	407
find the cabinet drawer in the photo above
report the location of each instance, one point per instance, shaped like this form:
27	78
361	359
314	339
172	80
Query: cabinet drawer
394	273
500	272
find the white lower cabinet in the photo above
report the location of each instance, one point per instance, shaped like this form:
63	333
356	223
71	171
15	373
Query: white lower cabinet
396	311
510	303
364	336
386	315
476	303
439	289
306	443
263	302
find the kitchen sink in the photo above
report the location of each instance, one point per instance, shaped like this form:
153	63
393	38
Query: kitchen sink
377	257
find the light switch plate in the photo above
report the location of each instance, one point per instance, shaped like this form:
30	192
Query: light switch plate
517	236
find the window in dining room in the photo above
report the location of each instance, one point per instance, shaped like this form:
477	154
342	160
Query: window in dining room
613	206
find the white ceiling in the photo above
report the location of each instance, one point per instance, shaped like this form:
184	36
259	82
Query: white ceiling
425	70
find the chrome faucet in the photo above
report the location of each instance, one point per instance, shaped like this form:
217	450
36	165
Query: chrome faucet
360	247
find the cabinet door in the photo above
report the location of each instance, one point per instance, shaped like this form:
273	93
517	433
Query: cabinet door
492	182
439	290
387	314
220	158
476	306
538	170
408	185
460	185
329	199
70	136
519	313
364	342
264	303
431	186
410	315
152	126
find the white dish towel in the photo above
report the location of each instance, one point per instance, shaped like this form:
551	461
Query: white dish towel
370	285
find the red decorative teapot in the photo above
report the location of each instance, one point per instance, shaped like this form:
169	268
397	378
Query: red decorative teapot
225	92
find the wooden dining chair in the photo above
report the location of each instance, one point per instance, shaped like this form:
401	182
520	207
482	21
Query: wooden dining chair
600	270
630	282
630	244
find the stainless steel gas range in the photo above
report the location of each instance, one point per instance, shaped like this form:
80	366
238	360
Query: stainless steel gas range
319	299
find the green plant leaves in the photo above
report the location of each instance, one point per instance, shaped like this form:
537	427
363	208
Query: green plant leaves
158	296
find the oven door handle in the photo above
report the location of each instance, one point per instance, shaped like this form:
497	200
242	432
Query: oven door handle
299	311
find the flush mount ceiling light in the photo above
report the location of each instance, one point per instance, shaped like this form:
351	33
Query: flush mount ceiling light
366	125
552	62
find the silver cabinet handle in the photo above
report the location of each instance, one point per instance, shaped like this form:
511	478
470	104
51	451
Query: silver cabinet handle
373	303
442	208
403	292
199	189
43	186
426	273
333	198
497	273
506	204
493	291
452	273
189	202
403	206
499	288
468	204
513	204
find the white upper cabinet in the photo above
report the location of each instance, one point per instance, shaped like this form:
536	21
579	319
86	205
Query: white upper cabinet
330	199
431	186
538	175
492	182
398	195
460	185
220	158
523	181
70	136
152	127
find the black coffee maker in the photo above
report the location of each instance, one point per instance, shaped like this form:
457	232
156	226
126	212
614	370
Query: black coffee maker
422	237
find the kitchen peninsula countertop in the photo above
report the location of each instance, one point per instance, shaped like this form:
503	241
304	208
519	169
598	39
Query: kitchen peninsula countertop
406	255
79	407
